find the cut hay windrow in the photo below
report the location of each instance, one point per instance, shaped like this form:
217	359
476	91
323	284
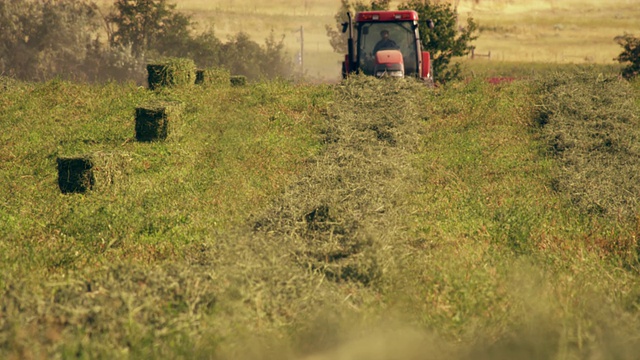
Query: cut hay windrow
340	214
590	125
392	210
171	73
97	171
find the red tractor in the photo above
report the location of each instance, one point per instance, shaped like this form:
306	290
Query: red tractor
388	44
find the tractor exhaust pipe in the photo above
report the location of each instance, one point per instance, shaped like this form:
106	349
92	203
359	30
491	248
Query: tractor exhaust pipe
351	55
350	43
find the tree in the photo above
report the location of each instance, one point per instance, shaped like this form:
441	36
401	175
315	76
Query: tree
630	54
337	39
275	62
18	21
104	63
43	39
153	28
241	56
446	40
206	49
149	25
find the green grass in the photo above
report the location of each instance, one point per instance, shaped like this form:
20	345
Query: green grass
222	153
367	219
501	247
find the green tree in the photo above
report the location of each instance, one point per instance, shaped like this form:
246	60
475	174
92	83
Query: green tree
446	40
153	28
630	55
243	56
205	49
104	62
43	39
149	25
275	61
337	39
18	23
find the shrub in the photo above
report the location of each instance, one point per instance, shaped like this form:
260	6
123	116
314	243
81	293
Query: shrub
446	40
630	54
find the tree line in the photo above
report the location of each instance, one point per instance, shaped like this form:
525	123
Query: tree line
75	39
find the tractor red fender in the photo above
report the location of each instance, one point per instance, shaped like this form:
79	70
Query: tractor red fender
426	66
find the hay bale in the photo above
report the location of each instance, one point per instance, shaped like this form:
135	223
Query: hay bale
200	76
155	121
171	73
238	80
213	76
75	174
96	171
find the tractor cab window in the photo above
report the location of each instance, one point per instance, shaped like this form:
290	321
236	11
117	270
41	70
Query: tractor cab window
376	36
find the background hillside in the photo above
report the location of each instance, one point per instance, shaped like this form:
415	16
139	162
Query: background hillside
556	31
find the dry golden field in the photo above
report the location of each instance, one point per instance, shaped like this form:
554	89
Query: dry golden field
559	31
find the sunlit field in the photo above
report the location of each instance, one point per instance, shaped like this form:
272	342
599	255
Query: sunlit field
317	220
553	31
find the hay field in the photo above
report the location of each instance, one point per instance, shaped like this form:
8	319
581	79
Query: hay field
362	220
553	31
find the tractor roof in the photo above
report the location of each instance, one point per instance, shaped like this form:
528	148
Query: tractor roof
386	16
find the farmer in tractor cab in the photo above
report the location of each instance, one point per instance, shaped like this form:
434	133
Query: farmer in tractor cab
385	43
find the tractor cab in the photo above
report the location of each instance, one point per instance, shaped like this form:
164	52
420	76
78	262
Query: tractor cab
387	43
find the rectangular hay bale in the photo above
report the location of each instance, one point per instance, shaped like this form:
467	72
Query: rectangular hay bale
171	73
96	171
75	174
154	121
213	76
238	80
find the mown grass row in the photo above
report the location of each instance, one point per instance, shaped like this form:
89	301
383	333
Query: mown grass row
511	259
366	219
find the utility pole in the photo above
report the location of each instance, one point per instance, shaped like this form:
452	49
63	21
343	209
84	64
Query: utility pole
301	55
